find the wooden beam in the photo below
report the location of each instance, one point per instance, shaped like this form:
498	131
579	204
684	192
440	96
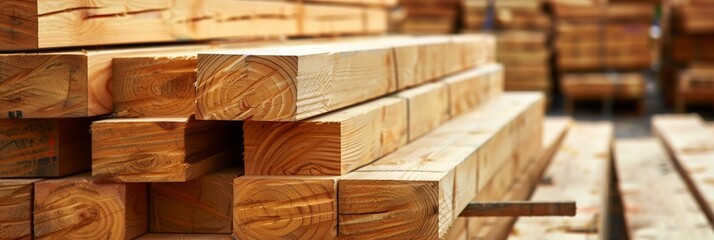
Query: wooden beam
175	236
428	107
163	149
331	144
202	205
655	198
473	87
78	207
39	24
516	209
44	147
285	207
691	145
16	210
580	172
428	181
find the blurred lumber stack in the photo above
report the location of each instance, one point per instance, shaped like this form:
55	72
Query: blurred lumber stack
690	52
427	16
524	30
608	38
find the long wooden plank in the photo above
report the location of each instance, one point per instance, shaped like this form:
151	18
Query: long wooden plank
470	89
578	172
656	200
16	209
202	205
76	207
37	24
44	147
285	84
691	145
518	208
427	182
428	107
163	149
285	207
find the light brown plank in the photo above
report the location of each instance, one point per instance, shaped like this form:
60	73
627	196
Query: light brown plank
428	107
202	205
16	209
473	87
76	207
162	149
44	147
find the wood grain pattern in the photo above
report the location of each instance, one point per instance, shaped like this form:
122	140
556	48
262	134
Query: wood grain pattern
46	23
78	208
44	147
519	208
428	107
16	208
656	200
202	205
578	172
472	88
291	83
285	207
172	236
332	144
162	149
428	181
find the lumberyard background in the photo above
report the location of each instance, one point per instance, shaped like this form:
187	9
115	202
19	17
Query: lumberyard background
356	119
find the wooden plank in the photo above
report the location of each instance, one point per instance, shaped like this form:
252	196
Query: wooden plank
172	236
426	182
37	24
285	207
16	210
578	172
691	145
656	200
77	207
473	87
331	144
44	147
600	86
289	87
202	205
428	107
162	149
519	209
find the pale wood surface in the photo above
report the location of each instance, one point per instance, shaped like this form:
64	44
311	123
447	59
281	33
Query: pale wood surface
473	87
285	207
202	205
46	23
16	208
163	149
657	202
44	147
578	172
430	180
331	144
428	107
76	207
691	145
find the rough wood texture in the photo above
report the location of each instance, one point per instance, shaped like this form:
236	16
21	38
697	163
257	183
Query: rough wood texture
171	236
473	87
63	84
78	208
332	144
16	208
163	149
291	83
202	205
34	24
428	107
416	191
285	207
691	145
578	172
656	200
44	147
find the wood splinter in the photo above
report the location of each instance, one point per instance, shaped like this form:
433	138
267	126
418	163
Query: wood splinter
519	209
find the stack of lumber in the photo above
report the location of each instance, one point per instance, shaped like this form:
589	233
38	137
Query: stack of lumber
580	171
696	86
427	16
524	32
603	37
689	34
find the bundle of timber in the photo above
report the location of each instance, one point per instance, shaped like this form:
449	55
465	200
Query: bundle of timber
428	16
507	14
696	85
598	86
690	34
